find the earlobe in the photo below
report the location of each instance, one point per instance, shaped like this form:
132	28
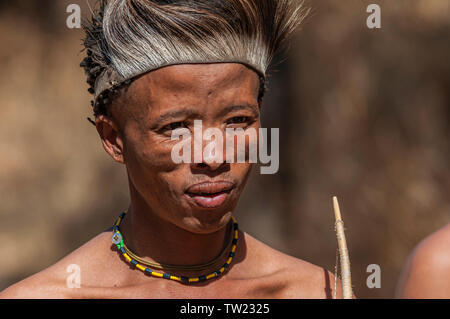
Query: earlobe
110	135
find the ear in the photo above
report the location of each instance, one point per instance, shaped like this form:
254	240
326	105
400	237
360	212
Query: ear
111	137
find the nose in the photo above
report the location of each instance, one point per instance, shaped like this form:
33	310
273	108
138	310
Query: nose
209	152
211	160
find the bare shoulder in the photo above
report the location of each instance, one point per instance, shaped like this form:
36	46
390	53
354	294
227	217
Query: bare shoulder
299	279
435	248
426	273
57	280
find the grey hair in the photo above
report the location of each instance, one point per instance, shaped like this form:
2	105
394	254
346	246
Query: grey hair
127	38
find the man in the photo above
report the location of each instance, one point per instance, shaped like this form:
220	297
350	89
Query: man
426	274
155	68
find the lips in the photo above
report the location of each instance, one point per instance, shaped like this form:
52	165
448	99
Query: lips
210	194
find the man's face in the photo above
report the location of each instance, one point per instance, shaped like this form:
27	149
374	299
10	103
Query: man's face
198	197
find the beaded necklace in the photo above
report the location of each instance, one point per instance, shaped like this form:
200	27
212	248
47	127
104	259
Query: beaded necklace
201	267
117	239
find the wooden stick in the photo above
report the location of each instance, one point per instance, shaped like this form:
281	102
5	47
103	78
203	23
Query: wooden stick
346	277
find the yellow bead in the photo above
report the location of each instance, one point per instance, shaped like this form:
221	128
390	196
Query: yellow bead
140	267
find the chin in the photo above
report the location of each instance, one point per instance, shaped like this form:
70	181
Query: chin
204	222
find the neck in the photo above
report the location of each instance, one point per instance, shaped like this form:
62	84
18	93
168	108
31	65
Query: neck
151	237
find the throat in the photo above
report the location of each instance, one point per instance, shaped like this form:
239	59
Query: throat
172	248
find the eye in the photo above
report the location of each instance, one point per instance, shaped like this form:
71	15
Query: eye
174	126
238	120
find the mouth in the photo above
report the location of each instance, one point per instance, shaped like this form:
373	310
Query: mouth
210	194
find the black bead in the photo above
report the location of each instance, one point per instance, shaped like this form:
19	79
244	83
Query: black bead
184	279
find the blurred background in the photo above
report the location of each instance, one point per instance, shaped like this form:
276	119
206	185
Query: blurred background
364	114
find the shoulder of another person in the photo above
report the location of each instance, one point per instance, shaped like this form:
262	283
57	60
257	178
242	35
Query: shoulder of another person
426	271
434	251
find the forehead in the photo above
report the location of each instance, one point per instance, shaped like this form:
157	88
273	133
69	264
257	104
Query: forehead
195	84
200	76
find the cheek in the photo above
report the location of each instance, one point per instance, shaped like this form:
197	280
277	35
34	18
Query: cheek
150	165
241	170
240	173
148	153
242	146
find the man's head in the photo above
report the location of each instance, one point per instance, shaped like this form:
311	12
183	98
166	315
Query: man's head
158	66
138	133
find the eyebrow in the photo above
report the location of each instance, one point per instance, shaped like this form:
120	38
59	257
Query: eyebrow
176	115
250	107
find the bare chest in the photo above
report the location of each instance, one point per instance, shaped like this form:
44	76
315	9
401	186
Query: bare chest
164	289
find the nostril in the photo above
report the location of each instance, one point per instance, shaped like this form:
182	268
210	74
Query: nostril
205	166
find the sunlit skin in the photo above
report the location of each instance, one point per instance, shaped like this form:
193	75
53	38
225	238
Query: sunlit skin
164	223
426	273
